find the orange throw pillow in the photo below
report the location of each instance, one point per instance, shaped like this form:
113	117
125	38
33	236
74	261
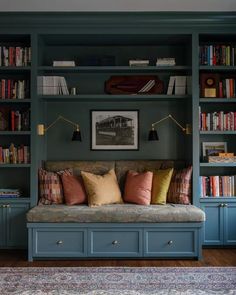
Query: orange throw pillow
138	187
73	188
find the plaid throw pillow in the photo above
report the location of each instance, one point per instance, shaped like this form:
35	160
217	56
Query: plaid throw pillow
50	188
180	190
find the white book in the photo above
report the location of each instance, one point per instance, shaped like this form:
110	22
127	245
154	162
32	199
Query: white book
180	85
64	63
171	85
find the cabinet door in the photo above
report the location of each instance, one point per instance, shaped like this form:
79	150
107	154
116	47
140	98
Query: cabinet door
213	226
2	226
16	225
230	224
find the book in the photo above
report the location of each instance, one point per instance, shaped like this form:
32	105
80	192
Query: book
171	84
180	85
138	62
165	61
64	63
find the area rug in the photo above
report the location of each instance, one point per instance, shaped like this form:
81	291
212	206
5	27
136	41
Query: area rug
117	280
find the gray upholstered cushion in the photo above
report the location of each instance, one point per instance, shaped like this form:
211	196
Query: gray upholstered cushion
116	213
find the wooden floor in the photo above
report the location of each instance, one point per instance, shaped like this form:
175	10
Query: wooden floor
211	257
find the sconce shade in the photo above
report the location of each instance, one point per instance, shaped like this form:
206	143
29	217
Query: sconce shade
153	135
76	136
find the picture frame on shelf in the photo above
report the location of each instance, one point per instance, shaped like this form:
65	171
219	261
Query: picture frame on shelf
114	129
213	149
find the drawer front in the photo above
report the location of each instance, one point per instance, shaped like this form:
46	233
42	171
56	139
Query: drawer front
59	242
175	243
115	243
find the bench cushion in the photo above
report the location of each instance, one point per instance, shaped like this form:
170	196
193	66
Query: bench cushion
116	213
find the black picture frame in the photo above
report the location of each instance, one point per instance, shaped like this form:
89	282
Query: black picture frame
114	130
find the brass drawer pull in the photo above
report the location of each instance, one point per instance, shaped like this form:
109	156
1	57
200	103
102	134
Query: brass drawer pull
59	242
170	242
115	242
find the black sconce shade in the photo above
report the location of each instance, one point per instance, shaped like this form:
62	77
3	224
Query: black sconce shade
153	135
76	136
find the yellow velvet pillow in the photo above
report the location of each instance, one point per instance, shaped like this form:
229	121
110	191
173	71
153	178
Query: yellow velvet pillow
160	185
102	189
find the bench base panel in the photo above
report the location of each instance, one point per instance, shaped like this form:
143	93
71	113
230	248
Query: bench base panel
114	240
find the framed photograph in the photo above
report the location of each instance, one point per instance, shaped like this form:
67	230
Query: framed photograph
114	130
213	149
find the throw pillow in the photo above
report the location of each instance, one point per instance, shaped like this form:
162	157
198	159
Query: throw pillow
50	188
102	189
180	187
138	187
160	185
73	188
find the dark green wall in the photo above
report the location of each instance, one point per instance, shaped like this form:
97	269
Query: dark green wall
173	144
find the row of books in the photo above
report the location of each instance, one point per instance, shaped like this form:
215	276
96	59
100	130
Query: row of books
15	154
14	120
12	89
9	193
15	56
52	85
179	85
217	55
165	61
217	186
217	121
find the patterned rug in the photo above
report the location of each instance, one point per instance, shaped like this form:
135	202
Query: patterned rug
117	280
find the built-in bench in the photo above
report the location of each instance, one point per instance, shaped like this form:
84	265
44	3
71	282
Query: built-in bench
122	230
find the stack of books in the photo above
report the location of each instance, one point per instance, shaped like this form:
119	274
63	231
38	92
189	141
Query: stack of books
9	193
139	62
179	85
52	85
165	61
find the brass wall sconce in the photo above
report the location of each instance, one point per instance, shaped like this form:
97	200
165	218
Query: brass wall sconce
153	133
41	129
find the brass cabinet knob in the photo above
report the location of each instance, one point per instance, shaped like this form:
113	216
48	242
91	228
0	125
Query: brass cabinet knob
225	205
115	242
59	242
170	242
222	205
8	206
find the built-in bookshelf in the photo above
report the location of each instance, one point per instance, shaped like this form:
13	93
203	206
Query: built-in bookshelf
217	107
99	46
15	109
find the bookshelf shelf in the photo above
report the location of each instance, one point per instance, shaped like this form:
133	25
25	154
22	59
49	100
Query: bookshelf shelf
14	69
24	199
217	100
15	101
107	97
218	132
15	165
218	199
128	69
15	133
217	164
217	68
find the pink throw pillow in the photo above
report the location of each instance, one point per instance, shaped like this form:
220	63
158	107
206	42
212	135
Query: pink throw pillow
138	187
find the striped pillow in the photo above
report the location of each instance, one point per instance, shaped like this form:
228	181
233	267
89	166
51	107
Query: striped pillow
50	188
180	190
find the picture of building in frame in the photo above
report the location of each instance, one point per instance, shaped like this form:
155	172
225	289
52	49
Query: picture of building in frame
114	130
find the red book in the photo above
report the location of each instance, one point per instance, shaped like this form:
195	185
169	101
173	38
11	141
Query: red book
12	121
220	89
8	88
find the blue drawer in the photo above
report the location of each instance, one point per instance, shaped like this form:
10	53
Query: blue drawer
115	242
59	242
170	243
